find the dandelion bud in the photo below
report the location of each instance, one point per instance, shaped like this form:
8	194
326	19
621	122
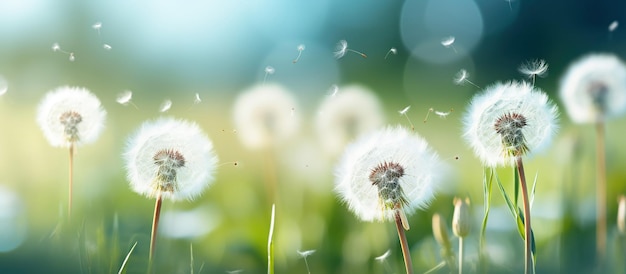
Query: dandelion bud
621	215
440	232
461	220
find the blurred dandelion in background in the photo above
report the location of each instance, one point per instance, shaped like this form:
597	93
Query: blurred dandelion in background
593	90
263	116
70	117
353	111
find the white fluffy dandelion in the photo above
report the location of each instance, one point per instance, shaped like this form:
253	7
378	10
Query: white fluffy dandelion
263	116
386	169
70	117
169	158
534	68
448	42
509	120
387	173
347	115
594	88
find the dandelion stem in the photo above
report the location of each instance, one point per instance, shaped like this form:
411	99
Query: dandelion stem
404	244
600	193
308	270
155	227
528	256
69	204
461	255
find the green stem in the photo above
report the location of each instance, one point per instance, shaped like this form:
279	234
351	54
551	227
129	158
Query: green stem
528	256
69	204
600	194
460	255
270	243
408	264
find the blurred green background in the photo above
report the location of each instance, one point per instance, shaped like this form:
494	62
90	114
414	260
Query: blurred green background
172	50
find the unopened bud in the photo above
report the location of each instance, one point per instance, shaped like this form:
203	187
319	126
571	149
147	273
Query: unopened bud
621	215
461	220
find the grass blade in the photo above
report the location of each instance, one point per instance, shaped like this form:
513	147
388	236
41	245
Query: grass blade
487	187
123	267
532	192
514	211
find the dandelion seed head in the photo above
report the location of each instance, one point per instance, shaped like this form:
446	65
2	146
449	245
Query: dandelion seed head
347	115
383	257
124	97
301	47
593	89
72	58
97	25
166	105
341	49
533	68
70	116
170	156
509	120
393	51
270	70
333	90
197	100
106	47
263	116
385	171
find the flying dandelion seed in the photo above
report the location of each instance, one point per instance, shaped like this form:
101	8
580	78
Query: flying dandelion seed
125	97
342	48
448	42
613	26
300	48
269	70
304	255
443	114
97	26
166	105
462	77
56	47
403	112
106	46
510	5
534	68
392	51
428	114
383	260
197	100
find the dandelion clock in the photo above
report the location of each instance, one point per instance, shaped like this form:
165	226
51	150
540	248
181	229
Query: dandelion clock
386	174
70	117
169	159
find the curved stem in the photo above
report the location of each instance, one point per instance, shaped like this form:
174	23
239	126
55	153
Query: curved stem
408	264
155	227
528	255
600	194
